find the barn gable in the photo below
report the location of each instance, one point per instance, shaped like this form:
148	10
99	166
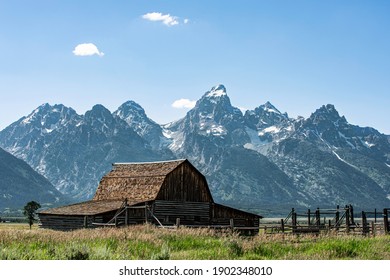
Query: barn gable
185	183
176	180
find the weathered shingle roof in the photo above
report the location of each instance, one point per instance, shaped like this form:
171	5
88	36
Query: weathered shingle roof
88	208
144	169
135	181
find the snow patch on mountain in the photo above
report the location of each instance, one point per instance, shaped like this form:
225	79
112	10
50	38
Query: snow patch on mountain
255	144
344	160
271	129
208	126
367	144
173	139
217	91
347	140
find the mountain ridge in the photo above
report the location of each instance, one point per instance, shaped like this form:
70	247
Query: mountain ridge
258	159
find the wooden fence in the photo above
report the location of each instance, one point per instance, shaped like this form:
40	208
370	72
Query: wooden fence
338	220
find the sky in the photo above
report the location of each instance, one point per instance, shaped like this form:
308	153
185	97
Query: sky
164	55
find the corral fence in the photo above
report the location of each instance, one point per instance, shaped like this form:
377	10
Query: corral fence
338	220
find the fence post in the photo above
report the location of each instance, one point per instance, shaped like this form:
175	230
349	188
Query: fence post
351	216
127	216
337	216
373	228
282	224
308	217
232	224
347	218
146	212
364	223
375	214
386	220
177	222
294	221
85	221
318	218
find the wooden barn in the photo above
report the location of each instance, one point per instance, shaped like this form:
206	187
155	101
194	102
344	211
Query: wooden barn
163	193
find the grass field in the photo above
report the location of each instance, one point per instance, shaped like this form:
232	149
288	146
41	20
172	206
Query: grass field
146	242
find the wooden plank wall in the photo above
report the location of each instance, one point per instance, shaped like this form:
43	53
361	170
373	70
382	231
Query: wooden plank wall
60	222
190	213
185	183
221	215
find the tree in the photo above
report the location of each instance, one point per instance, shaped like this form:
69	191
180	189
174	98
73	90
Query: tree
30	210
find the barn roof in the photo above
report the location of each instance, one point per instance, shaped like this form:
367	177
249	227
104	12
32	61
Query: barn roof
135	181
144	169
88	208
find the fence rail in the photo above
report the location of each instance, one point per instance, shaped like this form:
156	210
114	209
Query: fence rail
339	220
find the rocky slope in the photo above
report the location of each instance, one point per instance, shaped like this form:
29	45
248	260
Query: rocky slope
20	184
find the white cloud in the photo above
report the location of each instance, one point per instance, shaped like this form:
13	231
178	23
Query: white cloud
87	49
183	103
186	20
166	19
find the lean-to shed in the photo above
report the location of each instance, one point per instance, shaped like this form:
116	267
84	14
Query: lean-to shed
157	192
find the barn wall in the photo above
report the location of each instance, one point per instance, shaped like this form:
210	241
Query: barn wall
66	222
222	215
190	213
185	183
135	216
73	222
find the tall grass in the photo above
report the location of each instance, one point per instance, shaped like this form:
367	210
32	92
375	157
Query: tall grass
148	242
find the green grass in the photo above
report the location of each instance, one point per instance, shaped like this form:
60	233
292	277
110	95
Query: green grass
17	242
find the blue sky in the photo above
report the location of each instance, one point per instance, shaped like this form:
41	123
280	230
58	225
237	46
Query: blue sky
298	55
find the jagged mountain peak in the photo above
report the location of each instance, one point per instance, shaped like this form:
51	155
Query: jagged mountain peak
97	111
215	99
328	112
326	118
217	96
134	115
131	106
265	116
216	91
44	106
132	112
327	129
100	116
46	115
100	108
270	108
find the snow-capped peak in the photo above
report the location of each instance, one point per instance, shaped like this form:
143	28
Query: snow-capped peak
268	107
217	91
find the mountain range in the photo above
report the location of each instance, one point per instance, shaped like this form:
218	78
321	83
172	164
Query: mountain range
261	160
